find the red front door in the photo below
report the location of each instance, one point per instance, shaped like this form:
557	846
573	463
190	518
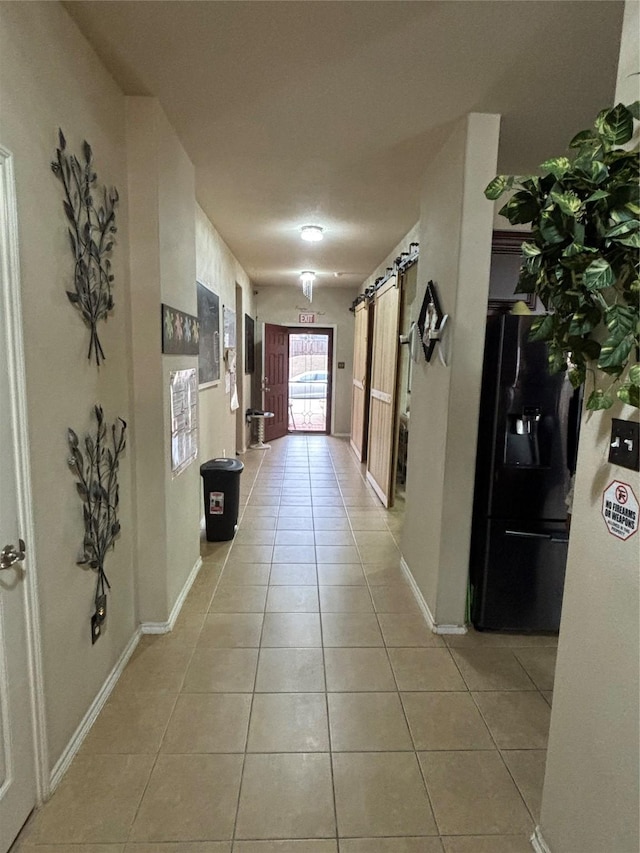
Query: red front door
276	380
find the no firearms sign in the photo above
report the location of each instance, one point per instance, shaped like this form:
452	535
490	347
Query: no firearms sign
620	509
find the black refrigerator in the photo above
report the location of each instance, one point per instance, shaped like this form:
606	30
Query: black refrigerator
527	444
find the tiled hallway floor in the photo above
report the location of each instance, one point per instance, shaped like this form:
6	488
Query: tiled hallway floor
302	706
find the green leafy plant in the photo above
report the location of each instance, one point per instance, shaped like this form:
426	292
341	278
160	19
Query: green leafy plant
582	259
96	471
91	230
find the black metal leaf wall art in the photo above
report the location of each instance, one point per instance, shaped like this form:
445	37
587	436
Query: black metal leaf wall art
96	471
92	226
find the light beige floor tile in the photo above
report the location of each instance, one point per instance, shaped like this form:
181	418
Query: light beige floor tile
516	720
548	695
255	536
527	767
334	537
293	599
289	722
491	669
221	671
445	721
208	722
68	848
185	847
252	553
295	511
345	599
329	524
239	599
350	630
373	521
540	664
352	670
155	670
295	537
294	554
394	599
329	512
425	669
482	639
296	499
390	845
473	794
130	723
381	574
189	796
367	722
286	796
260	511
266	522
488	844
95	802
231	630
293	522
307	845
291	630
337	554
293	574
341	574
245	574
406	630
381	794
327	500
290	670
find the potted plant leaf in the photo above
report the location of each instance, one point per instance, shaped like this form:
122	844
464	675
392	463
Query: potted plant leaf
582	259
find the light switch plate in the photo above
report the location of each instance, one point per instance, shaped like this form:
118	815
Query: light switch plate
624	446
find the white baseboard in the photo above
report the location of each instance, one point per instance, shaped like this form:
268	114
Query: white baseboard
356	451
424	607
89	718
341	434
166	627
538	843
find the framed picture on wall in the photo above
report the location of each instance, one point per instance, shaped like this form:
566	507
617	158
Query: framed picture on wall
249	345
209	320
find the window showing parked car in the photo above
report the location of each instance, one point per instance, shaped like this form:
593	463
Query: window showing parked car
311	385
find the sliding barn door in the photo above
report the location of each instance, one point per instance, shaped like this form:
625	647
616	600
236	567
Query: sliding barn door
361	377
382	397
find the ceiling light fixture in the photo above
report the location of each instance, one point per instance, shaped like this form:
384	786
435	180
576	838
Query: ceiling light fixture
307	277
311	233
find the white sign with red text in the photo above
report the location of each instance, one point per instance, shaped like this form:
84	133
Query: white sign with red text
306	318
620	509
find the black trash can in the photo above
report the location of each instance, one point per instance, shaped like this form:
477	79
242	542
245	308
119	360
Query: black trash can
221	479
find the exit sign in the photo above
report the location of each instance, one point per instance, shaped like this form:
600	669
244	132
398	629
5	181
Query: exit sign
306	318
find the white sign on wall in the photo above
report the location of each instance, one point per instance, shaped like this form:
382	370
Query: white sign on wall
620	509
183	385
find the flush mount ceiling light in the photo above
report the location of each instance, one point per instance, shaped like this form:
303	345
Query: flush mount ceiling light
307	277
311	233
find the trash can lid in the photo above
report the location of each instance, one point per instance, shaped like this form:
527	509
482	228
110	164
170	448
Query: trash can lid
224	464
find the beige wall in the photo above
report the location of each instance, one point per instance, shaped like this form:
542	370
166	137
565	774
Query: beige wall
162	198
282	305
590	799
218	269
50	78
455	250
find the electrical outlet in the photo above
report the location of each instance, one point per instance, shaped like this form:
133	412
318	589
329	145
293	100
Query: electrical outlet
624	446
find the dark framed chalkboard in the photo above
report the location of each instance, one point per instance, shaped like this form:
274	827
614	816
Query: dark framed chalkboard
249	345
209	318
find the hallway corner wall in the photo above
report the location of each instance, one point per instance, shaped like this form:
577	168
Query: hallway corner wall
455	252
163	263
218	269
50	78
591	790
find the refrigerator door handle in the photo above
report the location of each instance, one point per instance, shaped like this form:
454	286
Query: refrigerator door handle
524	534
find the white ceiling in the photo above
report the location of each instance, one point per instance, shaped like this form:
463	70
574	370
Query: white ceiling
328	112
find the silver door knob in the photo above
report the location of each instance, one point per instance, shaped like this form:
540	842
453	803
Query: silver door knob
11	555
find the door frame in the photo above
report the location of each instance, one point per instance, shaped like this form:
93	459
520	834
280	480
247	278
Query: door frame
320	329
295	327
12	303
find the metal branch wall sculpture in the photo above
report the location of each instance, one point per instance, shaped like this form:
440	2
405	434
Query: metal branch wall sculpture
91	230
97	485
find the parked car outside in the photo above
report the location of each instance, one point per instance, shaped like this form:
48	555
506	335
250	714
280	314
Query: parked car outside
311	385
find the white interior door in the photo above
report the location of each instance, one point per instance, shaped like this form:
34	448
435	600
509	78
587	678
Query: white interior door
17	765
